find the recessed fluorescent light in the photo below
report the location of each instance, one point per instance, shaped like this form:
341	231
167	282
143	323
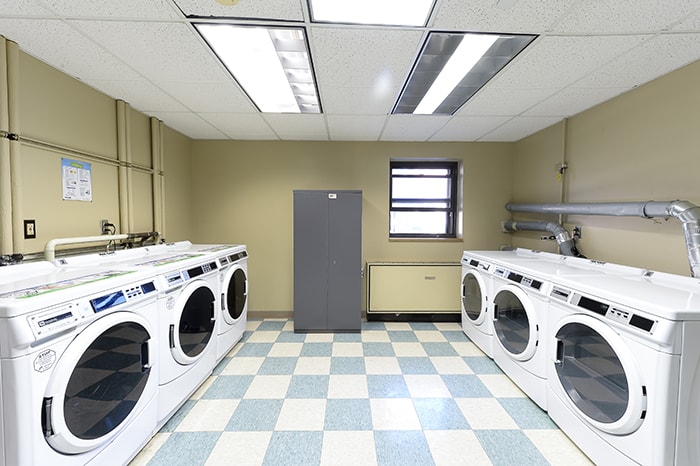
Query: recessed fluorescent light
382	12
272	65
452	67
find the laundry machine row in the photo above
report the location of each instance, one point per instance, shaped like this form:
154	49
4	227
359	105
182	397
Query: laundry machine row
77	384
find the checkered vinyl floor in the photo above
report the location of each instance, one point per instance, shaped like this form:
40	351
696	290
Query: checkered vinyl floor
395	394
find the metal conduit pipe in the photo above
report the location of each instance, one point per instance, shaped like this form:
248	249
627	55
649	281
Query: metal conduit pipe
50	248
6	246
567	245
686	212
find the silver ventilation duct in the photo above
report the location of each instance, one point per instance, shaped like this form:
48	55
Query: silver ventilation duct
687	213
567	245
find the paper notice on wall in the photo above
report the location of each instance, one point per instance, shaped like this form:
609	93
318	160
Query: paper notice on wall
77	180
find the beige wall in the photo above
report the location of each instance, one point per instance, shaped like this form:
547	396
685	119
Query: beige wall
242	193
80	123
644	145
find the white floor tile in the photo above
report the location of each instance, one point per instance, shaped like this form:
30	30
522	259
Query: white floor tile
448	326
302	414
456	448
501	386
348	448
240	448
319	338
394	414
426	386
450	365
208	415
268	386
466	348
348	349
348	386
243	366
432	336
264	336
397	326
375	336
382	365
557	448
485	413
285	350
313	366
408	349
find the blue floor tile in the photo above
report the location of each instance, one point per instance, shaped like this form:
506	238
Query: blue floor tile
185	449
509	447
347	366
254	349
291	337
255	415
454	335
439	349
228	387
354	414
377	349
401	448
347	337
387	386
422	326
482	365
439	414
271	325
526	413
400	336
294	449
416	365
278	366
317	349
373	325
221	366
465	386
308	386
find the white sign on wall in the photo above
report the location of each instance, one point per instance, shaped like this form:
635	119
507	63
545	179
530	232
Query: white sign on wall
77	180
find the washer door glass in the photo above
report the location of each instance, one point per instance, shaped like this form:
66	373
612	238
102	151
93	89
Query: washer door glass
196	324
512	321
591	373
236	295
473	298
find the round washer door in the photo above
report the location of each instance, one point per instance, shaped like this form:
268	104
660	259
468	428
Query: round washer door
99	382
192	322
474	297
515	323
235	293
597	375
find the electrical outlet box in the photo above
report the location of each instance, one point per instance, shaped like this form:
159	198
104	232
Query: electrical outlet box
30	229
103	225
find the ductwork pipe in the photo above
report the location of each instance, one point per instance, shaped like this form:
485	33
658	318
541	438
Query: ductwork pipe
687	213
567	245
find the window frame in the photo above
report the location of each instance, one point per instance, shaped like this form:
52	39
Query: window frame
453	209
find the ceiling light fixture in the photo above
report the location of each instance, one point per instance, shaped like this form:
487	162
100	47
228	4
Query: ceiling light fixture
452	67
380	12
227	2
272	65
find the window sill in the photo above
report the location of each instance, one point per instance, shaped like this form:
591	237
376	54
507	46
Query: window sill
427	240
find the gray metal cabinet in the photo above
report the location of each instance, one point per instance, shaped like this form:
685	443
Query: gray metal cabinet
327	261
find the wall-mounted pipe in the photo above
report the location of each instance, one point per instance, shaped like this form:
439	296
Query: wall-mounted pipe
5	178
13	105
567	245
687	213
50	248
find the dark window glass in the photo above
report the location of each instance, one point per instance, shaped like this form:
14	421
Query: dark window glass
423	199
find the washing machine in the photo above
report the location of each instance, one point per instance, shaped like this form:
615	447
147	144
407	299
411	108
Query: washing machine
233	299
624	367
477	290
77	359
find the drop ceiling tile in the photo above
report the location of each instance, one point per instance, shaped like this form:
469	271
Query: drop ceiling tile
306	127
141	95
137	9
654	58
633	16
240	125
557	61
159	51
518	128
21	7
290	10
494	101
354	57
209	97
571	101
690	23
525	16
358	100
73	54
189	124
468	128
355	128
412	127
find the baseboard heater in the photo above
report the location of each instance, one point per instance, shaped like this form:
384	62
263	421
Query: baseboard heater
413	289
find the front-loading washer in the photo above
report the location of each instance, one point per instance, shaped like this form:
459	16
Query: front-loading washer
477	290
624	367
76	361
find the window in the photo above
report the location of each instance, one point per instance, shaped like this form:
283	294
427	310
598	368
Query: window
423	199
